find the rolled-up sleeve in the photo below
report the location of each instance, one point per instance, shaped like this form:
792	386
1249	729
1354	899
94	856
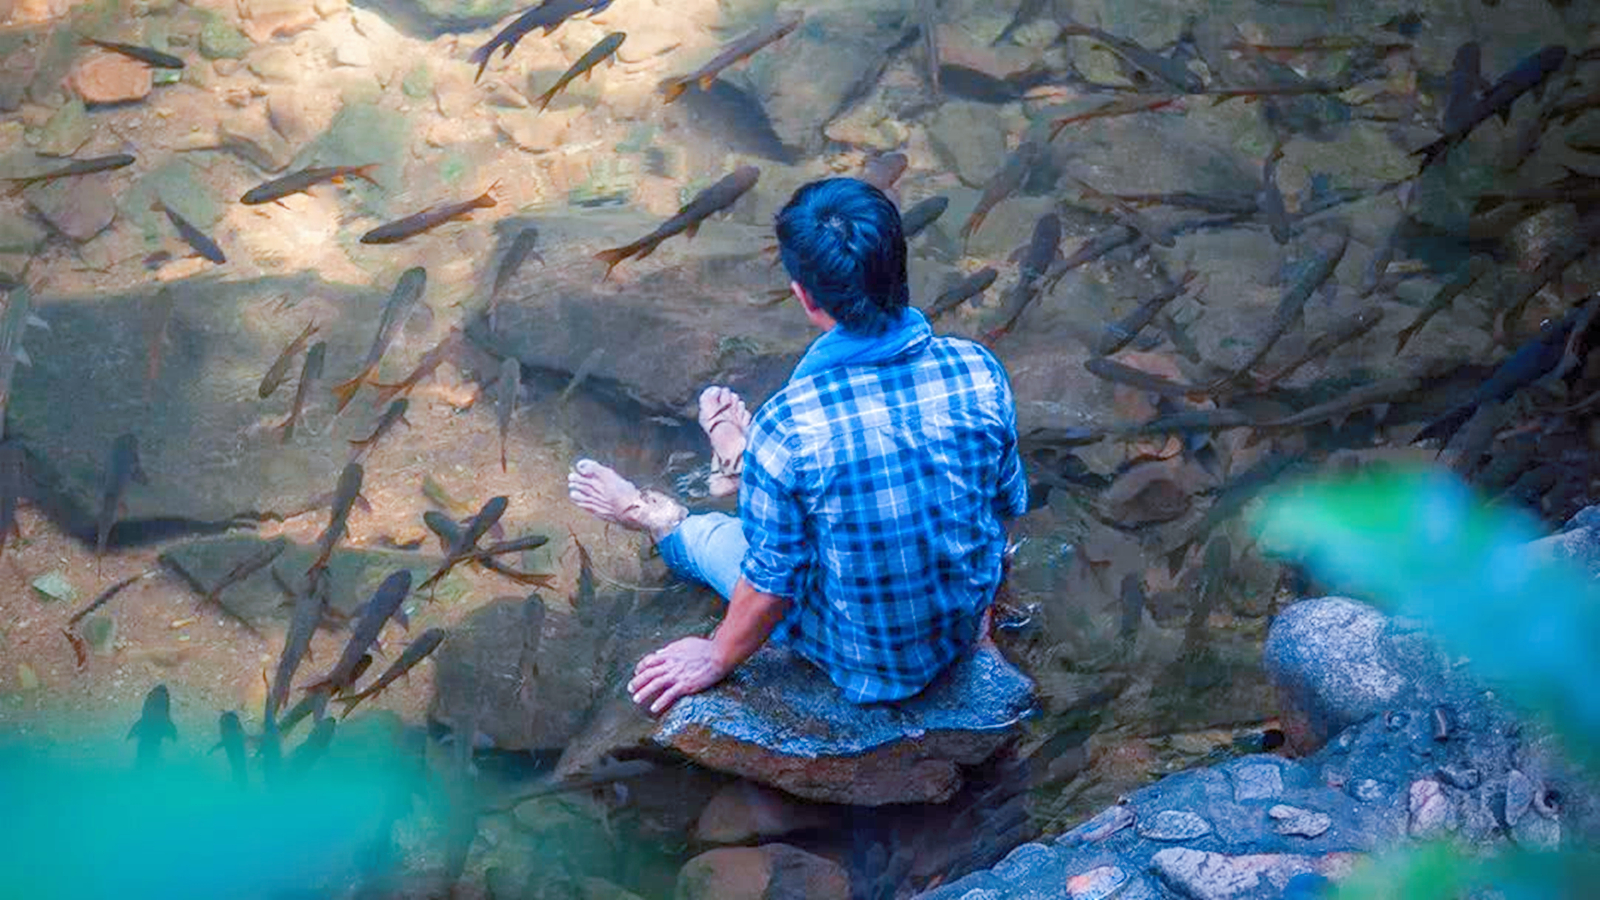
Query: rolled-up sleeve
773	517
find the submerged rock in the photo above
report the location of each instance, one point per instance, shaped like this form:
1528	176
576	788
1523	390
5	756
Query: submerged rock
744	811
107	77
79	208
756	873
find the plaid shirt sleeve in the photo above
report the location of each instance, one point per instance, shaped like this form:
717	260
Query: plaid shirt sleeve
772	515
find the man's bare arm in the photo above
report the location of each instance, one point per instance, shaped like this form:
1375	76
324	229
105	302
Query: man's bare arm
749	622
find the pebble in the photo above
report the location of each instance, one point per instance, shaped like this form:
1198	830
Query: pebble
1292	820
1461	777
1431	809
1519	796
1257	781
111	78
1174	825
79	208
1368	789
1097	884
1107	822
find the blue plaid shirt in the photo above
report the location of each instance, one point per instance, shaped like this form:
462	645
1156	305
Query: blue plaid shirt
872	498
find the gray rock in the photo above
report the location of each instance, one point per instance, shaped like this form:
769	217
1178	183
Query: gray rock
1431	810
1538	833
1174	825
1326	658
1199	875
1292	820
1369	790
1519	796
970	139
1461	777
1256	781
430	18
1098	884
1024	863
79	208
743	811
804	79
20	234
1578	545
67	129
1107	822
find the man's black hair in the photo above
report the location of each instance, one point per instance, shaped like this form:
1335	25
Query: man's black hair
841	240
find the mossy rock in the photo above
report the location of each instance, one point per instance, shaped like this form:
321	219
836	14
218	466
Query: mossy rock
220	40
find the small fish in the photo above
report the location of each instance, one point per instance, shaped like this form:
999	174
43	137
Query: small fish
1127	215
928	24
1378	393
883	170
1218	557
1230	499
713	199
310	373
1462	279
269	753
447	347
1343	332
1027	11
960	292
1004	183
467	541
1111	370
522	246
1133	602
1123	106
419	649
279	372
315	703
158	317
303	621
533	613
505	400
1170	72
1043	249
1378	266
1312	273
1122	332
154	726
246	567
1189	420
1222	204
13	482
916	219
450	535
599	53
1528	75
1270	198
304	180
383	604
313	748
191	235
586	367
121	470
1464	80
107	594
146	55
395	312
395	413
547	15
740	49
428	218
71	169
344	498
1570	247
515	545
232	744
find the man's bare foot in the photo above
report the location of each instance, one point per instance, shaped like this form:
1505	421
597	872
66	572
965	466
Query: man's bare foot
726	421
612	498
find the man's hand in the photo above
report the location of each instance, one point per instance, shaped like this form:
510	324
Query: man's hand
681	668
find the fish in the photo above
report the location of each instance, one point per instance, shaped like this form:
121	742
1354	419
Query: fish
70	170
315	703
1342	332
586	367
1378	266
1122	106
1004	183
395	413
154	726
147	55
1188	420
467	540
1178	334
269	753
883	170
1570	247
594	56
928	25
1311	273
1458	282
450	533
1218	559
533	611
416	652
515	545
916	219
279	372
436	494
191	235
1102	243
687	220
344	498
1043	249
1464	80
736	117
966	83
429	218
310	372
1133	602
383	604
304	180
1111	370
232	744
13	482
505	400
395	312
1528	75
447	347
303	621
547	15
1375	394
673	88
246	567
960	292
106	595
1127	215
1230	499
1270	199
313	748
522	247
1472	441
122	469
1027	11
1170	72
1122	332
158	318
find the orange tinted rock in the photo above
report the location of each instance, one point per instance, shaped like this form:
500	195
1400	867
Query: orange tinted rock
111	78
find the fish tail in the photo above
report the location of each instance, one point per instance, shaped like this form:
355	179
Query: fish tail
614	256
673	88
387	392
974	222
487	200
704	82
648	247
365	173
347	391
502	454
350	703
546	97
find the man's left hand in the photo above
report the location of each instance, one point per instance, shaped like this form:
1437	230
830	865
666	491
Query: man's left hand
681	668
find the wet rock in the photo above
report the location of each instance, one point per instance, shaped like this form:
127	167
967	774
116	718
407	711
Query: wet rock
756	873
19	234
1097	884
1432	812
969	138
66	131
1174	825
219	39
106	77
744	811
1326	659
1257	781
1199	875
1460	777
806	77
79	208
299	116
249	135
430	18
1519	796
1369	790
1579	546
278	65
536	133
267	19
1538	833
1292	820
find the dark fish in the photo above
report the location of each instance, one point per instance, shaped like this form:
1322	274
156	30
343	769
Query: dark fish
688	218
547	15
106	595
1465	78
1378	266
1218	558
315	703
313	748
1270	198
310	372
154	725
71	169
279	372
960	292
146	55
447	346
1004	183
428	218
1178	334
533	611
1223	204
740	49
1468	445
1043	249
500	548
980	87
505	400
1132	595
595	55
1189	420
1122	332
309	605
522	246
304	180
383	604
1127	215
1170	72
419	649
1111	370
1122	106
191	235
1027	11
122	469
1378	393
395	312
395	413
1527	75
269	753
1230	498
1462	279
450	534
1569	248
928	24
344	498
1343	332
467	541
914	220
246	567
232	743
1312	273
13	481
883	170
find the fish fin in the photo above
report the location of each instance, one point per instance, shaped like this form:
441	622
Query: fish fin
612	257
704	82
488	195
364	173
347	391
672	89
545	98
692	230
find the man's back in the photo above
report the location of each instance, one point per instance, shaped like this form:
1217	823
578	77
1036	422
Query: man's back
873	495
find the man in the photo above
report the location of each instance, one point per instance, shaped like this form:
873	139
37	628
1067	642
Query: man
874	484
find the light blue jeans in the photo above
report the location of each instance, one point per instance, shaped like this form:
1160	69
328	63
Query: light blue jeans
708	548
